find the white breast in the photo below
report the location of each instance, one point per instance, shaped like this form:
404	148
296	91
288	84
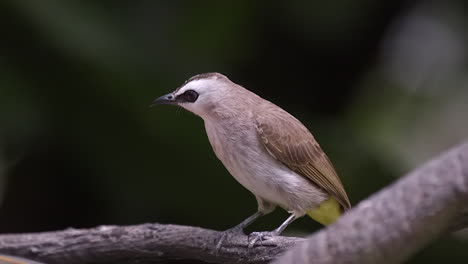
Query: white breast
236	144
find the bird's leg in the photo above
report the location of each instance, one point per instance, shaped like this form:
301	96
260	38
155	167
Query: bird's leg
249	220
238	229
255	237
285	224
264	208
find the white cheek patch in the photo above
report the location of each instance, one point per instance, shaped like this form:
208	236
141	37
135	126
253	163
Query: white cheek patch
193	107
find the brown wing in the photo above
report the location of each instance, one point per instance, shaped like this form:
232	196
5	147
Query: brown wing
286	139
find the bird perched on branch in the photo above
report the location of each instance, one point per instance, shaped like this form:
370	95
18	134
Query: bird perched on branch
266	149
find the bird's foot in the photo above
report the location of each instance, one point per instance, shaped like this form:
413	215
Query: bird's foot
259	237
226	234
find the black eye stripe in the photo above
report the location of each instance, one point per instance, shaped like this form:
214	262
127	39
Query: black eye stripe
188	96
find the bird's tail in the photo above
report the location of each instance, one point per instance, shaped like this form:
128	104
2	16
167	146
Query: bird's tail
327	212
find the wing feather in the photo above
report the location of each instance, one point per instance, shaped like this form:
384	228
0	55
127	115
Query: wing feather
290	142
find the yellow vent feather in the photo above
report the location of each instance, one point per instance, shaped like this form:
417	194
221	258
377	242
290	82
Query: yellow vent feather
327	212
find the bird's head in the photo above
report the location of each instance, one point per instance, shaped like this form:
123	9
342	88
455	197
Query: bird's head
200	94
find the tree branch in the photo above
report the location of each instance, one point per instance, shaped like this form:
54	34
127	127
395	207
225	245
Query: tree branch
393	224
147	243
388	227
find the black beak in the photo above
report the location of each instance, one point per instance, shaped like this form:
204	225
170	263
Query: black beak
165	99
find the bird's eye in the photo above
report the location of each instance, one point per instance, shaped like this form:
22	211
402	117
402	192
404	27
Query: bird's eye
190	96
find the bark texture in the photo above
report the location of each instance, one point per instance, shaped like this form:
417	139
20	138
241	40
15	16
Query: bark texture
393	224
147	243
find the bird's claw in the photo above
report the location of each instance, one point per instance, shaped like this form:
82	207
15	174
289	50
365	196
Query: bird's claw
255	237
225	234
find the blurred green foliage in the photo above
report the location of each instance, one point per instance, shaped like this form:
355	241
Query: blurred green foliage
382	85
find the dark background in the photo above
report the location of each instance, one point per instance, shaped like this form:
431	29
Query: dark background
383	85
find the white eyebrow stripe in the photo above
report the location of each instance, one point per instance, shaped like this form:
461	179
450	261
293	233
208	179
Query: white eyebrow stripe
196	85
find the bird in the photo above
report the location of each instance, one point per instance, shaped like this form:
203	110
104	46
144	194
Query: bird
266	149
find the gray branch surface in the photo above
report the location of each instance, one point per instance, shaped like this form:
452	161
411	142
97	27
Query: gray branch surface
388	227
393	224
147	243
